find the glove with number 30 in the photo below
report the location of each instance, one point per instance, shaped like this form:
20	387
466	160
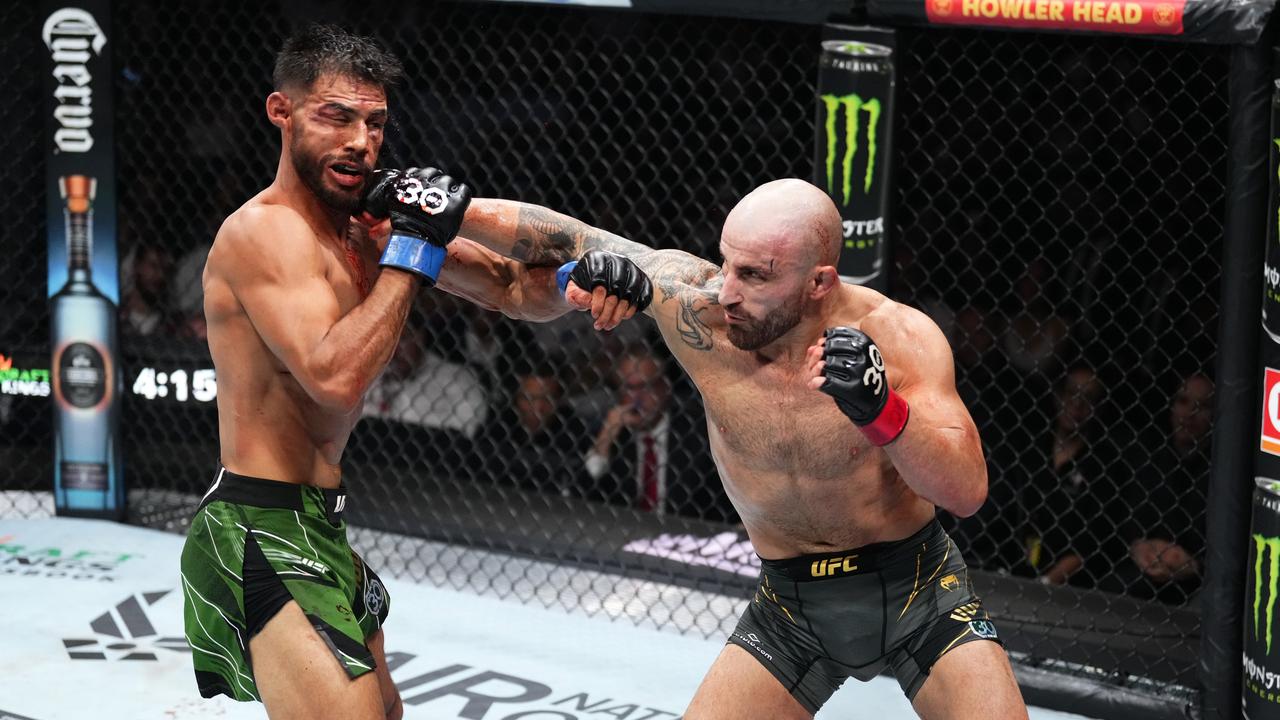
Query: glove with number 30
426	208
855	377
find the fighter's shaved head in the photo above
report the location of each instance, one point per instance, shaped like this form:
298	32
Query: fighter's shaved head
787	218
780	245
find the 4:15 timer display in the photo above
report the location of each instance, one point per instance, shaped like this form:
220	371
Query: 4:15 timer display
200	385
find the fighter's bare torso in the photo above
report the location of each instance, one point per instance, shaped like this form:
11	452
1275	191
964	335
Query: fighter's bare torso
802	477
268	425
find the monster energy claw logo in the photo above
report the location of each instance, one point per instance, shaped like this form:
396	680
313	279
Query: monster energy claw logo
854	106
1265	546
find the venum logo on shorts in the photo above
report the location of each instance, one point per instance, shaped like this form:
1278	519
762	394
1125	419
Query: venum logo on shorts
373	595
983	629
949	583
125	633
70	34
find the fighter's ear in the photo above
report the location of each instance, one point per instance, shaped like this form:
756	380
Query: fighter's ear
825	279
279	108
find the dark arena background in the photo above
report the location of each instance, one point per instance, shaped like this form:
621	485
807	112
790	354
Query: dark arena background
1083	213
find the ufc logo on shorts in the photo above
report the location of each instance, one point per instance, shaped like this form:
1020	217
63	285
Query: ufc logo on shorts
1271	412
833	566
411	192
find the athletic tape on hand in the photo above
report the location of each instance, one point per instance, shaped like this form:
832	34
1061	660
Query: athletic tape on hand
562	275
415	255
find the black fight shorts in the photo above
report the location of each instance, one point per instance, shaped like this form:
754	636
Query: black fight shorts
817	620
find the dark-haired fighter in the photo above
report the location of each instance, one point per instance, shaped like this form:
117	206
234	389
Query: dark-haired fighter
835	449
304	308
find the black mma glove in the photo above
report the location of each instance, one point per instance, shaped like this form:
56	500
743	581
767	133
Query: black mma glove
619	277
856	379
426	208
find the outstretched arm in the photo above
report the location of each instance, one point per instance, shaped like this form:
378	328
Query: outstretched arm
493	282
685	287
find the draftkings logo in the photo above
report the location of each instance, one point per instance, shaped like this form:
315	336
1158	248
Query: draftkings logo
56	562
125	633
19	381
858	113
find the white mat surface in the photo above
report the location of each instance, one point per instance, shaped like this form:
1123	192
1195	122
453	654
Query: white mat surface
93	628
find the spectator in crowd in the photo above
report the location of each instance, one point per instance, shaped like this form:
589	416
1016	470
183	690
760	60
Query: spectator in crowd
1164	502
1032	338
1068	487
143	291
1036	331
650	452
419	386
535	443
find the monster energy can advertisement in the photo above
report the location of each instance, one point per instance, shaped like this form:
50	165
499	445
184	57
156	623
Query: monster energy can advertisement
1271	271
1262	633
853	150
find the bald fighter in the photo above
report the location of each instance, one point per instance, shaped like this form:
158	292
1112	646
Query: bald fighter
304	307
835	424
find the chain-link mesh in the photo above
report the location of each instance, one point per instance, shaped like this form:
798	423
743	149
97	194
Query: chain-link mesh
1058	213
1060	216
26	458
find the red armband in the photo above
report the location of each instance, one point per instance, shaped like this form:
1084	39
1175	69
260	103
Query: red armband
890	423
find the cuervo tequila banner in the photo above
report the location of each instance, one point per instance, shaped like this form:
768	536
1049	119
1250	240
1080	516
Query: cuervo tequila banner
82	274
854	149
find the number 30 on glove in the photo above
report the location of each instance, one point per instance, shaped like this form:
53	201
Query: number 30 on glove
852	372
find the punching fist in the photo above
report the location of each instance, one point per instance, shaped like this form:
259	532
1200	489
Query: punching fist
426	208
848	366
610	285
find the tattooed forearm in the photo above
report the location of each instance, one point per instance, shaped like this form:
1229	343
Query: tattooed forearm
543	237
676	273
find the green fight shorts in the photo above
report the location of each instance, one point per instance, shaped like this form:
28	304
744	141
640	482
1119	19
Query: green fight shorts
817	620
253	546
